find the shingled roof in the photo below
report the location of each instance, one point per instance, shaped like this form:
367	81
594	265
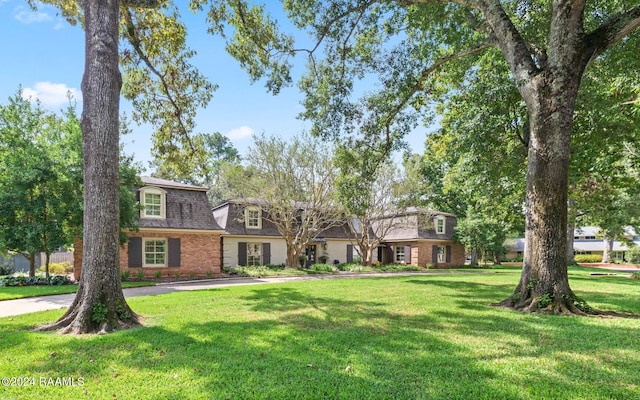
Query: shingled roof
187	207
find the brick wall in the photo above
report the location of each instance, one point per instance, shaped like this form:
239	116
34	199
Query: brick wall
199	256
425	254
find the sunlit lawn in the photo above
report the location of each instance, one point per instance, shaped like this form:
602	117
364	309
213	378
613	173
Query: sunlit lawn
19	292
418	337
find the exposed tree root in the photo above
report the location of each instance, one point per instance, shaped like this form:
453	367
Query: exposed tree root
567	305
77	321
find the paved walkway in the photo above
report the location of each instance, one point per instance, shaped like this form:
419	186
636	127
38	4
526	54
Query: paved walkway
32	304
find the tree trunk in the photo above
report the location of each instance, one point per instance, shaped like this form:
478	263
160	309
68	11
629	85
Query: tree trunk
32	264
608	248
292	256
571	260
474	257
544	282
497	257
99	304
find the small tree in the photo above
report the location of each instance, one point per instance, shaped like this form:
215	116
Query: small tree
368	188
293	182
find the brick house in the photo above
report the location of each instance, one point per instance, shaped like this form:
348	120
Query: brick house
422	237
177	236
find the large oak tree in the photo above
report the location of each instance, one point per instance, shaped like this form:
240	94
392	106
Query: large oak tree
409	45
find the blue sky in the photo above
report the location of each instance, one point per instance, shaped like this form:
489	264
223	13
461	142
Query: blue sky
45	55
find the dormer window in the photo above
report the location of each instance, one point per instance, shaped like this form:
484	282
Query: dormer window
253	218
153	201
440	225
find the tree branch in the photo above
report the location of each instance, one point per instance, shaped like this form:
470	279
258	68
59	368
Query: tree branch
136	43
610	32
419	85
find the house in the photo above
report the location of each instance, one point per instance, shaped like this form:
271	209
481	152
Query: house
249	238
417	236
177	233
586	240
421	237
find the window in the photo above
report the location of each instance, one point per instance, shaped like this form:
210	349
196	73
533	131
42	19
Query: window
153	203
399	254
155	252
254	254
252	218
440	225
442	254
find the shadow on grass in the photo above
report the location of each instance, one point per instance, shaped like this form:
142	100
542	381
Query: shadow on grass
283	342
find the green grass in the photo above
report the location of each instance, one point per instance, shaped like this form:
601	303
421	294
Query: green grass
418	337
20	292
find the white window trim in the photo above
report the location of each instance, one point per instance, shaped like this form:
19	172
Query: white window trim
246	217
260	250
444	225
144	253
442	254
163	202
395	255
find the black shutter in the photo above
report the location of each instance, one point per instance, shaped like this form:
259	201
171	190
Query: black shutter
174	252
242	253
448	254
135	252
266	253
349	253
434	254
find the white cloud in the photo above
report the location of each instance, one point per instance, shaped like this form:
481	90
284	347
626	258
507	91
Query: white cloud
29	17
240	133
51	94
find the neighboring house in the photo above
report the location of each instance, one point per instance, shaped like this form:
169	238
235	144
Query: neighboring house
178	234
422	237
586	240
251	239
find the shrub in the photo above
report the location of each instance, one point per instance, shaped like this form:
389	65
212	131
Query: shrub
58	268
158	274
354	267
323	268
59	280
633	255
588	258
397	268
22	279
124	275
635	275
275	267
140	275
6	267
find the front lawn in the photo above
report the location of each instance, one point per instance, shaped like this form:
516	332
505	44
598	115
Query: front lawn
417	337
19	292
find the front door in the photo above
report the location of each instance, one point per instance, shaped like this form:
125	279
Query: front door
310	252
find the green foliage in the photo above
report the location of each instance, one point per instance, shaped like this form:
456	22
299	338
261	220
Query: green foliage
157	274
125	275
123	313
633	255
323	268
6	266
140	275
545	300
635	275
21	279
588	258
99	312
